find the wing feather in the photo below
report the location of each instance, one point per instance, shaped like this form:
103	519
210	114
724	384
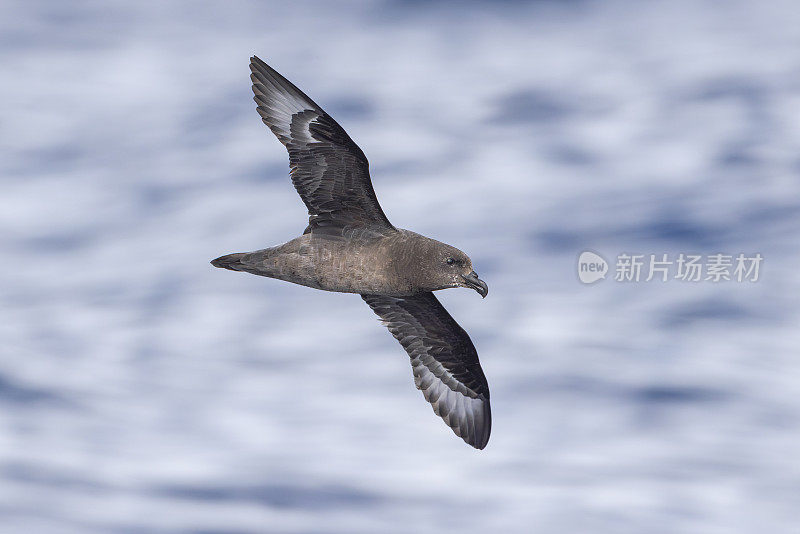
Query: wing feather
329	171
444	362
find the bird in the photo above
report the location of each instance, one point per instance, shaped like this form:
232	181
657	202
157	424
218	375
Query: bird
349	246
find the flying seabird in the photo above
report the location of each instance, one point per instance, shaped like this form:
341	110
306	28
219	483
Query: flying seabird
350	246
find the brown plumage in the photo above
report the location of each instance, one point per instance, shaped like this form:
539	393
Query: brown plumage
350	246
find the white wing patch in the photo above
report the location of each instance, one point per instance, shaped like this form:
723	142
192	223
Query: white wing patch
289	125
286	111
458	410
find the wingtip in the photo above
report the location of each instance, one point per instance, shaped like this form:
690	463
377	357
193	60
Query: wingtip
258	63
479	437
480	445
479	441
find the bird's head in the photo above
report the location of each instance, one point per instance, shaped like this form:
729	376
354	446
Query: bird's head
445	266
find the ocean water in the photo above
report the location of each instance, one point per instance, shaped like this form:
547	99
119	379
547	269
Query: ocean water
142	390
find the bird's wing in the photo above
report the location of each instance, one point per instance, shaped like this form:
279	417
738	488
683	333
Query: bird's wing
327	168
444	361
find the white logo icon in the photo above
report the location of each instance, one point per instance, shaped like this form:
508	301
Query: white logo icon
591	267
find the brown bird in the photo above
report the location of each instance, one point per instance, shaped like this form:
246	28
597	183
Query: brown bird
350	246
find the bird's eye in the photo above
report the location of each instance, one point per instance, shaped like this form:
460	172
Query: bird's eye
450	261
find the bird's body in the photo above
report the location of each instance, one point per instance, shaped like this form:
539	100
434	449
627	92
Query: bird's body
350	246
359	262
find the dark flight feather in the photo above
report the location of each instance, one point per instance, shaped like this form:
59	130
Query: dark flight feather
329	171
444	361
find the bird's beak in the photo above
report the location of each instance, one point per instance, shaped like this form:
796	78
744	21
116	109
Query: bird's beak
472	281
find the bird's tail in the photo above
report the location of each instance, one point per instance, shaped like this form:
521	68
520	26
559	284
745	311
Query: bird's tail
231	262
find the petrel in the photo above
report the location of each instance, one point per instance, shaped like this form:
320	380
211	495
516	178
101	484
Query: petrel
350	246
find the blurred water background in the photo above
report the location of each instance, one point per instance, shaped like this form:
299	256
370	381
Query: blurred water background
142	390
